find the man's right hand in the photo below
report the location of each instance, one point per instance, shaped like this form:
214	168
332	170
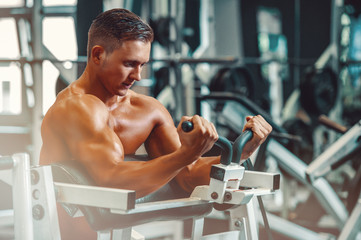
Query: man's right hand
201	139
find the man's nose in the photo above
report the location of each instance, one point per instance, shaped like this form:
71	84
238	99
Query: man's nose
136	74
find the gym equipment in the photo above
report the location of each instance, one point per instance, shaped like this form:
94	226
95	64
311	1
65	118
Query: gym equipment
226	176
303	148
233	79
162	80
291	164
113	212
324	120
352	227
352	7
350	144
19	165
329	159
161	28
319	91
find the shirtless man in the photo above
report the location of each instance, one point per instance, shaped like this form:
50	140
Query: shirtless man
97	120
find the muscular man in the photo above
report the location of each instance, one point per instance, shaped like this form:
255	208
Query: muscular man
97	120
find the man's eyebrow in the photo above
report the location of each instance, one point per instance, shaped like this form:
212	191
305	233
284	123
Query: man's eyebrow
136	62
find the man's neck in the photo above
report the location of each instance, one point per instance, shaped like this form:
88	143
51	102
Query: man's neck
94	87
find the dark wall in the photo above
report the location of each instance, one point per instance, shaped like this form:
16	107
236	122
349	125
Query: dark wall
314	31
315	27
86	12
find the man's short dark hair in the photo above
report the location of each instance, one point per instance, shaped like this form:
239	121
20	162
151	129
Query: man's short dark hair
111	28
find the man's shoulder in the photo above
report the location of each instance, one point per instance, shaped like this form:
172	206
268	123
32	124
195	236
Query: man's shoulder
150	105
145	100
78	101
72	106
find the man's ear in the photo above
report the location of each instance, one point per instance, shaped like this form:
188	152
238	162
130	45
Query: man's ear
97	53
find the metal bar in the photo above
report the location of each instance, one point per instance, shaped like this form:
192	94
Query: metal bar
291	229
37	110
223	235
197	228
160	205
321	188
234	196
125	234
248	104
23	226
243	219
264	217
325	56
353	225
46	11
15	12
45	215
95	196
104	235
67	74
6	162
14	130
6	218
255	179
6	176
343	146
59	11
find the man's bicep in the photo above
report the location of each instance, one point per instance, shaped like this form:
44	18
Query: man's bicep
98	145
86	132
164	139
99	154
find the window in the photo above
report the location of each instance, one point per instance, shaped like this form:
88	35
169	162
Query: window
10	74
10	90
12	3
60	38
48	3
9	47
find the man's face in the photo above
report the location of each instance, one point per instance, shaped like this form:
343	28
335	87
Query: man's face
121	68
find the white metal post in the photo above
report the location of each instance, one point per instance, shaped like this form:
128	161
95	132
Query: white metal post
23	226
37	111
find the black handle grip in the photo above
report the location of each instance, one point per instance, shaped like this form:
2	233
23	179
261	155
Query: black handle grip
223	143
239	144
187	126
226	150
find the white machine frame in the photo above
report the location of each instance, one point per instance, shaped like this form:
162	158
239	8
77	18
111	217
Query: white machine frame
36	195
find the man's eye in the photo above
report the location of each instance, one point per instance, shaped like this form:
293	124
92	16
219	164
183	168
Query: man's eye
129	64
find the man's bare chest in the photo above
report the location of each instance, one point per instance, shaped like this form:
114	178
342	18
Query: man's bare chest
132	128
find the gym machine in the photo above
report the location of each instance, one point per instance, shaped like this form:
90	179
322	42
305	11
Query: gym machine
347	146
15	170
349	142
112	213
291	164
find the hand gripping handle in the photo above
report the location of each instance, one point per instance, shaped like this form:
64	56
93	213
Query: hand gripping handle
223	143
